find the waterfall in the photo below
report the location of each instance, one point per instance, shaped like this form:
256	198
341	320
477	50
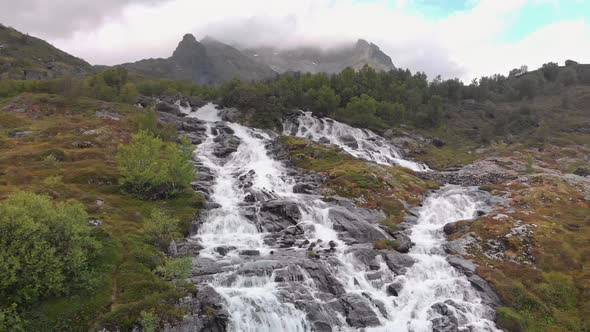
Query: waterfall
361	143
279	294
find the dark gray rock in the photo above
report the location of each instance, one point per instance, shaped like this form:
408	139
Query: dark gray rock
224	250
466	267
445	319
249	252
169	108
349	141
358	311
355	226
205	313
280	214
397	262
226	144
394	288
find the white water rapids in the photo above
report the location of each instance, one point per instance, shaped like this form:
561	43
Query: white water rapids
255	302
361	143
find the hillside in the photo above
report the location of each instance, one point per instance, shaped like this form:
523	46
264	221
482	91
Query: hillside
26	57
208	62
315	60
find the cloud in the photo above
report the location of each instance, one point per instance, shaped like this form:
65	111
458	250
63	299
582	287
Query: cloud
466	43
61	18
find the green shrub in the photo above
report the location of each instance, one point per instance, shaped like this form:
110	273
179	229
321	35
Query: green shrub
175	269
160	229
510	320
148	321
47	248
151	168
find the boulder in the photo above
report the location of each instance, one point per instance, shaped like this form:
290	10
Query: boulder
280	214
166	107
466	267
397	262
394	288
358	311
349	141
356	226
445	319
226	144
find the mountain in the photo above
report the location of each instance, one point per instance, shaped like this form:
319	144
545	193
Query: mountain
26	57
208	62
316	60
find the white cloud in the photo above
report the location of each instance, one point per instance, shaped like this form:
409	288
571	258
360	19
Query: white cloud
465	44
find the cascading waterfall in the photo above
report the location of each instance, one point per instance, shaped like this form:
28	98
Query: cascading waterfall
251	300
432	282
361	143
255	302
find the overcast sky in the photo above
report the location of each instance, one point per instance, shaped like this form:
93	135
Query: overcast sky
454	38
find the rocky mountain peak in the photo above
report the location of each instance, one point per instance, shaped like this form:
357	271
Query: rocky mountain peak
188	49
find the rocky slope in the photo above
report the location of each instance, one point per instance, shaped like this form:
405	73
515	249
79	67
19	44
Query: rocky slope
297	235
316	60
26	57
208	62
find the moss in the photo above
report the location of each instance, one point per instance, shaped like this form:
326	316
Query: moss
386	244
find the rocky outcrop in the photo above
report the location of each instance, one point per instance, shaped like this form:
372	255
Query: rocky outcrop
204	313
480	173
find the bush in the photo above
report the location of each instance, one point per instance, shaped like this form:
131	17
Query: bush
161	228
153	169
47	248
175	269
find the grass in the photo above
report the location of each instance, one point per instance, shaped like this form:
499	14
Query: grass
369	184
552	293
52	162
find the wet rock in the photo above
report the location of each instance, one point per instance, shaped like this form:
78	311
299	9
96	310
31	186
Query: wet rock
224	250
349	141
466	267
394	288
405	243
169	108
355	226
249	252
302	188
460	245
193	125
205	313
358	311
397	262
445	319
455	227
324	140
486	291
230	114
323	278
226	144
280	214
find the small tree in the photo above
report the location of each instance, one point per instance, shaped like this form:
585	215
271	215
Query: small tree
160	229
550	71
153	169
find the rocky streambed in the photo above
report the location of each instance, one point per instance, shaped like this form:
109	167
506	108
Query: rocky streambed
270	253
